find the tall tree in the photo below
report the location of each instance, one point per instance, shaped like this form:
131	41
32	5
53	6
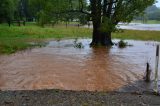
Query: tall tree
7	8
106	14
49	10
153	13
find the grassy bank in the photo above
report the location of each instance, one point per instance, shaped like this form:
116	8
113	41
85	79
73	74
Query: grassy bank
16	38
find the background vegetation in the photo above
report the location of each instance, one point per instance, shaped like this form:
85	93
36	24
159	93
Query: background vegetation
151	16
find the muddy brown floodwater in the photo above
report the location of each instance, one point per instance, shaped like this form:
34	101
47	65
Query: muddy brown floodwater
60	65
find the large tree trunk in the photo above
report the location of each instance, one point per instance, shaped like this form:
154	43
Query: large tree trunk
100	38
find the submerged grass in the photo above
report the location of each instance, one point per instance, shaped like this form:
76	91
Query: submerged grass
11	46
17	38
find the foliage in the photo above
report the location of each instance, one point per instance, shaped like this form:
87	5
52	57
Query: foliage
7	8
107	25
43	18
78	44
122	44
47	11
50	10
106	14
151	13
116	11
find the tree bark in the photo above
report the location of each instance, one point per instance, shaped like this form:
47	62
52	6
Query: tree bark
101	38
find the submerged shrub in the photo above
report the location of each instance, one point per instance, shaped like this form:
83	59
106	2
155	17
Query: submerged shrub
78	45
122	44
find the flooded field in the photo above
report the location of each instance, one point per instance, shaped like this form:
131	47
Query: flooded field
139	26
136	26
60	65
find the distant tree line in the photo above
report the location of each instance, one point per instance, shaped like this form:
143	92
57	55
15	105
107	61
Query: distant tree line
42	11
151	13
53	11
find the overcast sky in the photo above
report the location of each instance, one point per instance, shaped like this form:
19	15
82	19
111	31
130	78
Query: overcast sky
158	4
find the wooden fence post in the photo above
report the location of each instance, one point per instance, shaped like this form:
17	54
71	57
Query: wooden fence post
148	73
156	69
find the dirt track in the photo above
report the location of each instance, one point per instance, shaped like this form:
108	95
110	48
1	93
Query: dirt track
71	98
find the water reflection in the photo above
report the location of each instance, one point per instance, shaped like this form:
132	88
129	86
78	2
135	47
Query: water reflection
98	69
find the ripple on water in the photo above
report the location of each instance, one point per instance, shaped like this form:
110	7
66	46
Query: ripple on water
60	65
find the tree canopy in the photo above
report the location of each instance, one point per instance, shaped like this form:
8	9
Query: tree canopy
7	8
153	13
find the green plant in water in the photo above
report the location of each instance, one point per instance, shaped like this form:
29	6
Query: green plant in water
122	44
75	40
79	45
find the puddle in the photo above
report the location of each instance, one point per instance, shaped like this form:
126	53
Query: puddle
60	65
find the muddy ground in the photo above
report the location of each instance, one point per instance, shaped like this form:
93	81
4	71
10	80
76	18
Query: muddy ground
72	98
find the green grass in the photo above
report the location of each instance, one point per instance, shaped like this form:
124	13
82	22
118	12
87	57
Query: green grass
138	35
38	32
10	46
16	38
